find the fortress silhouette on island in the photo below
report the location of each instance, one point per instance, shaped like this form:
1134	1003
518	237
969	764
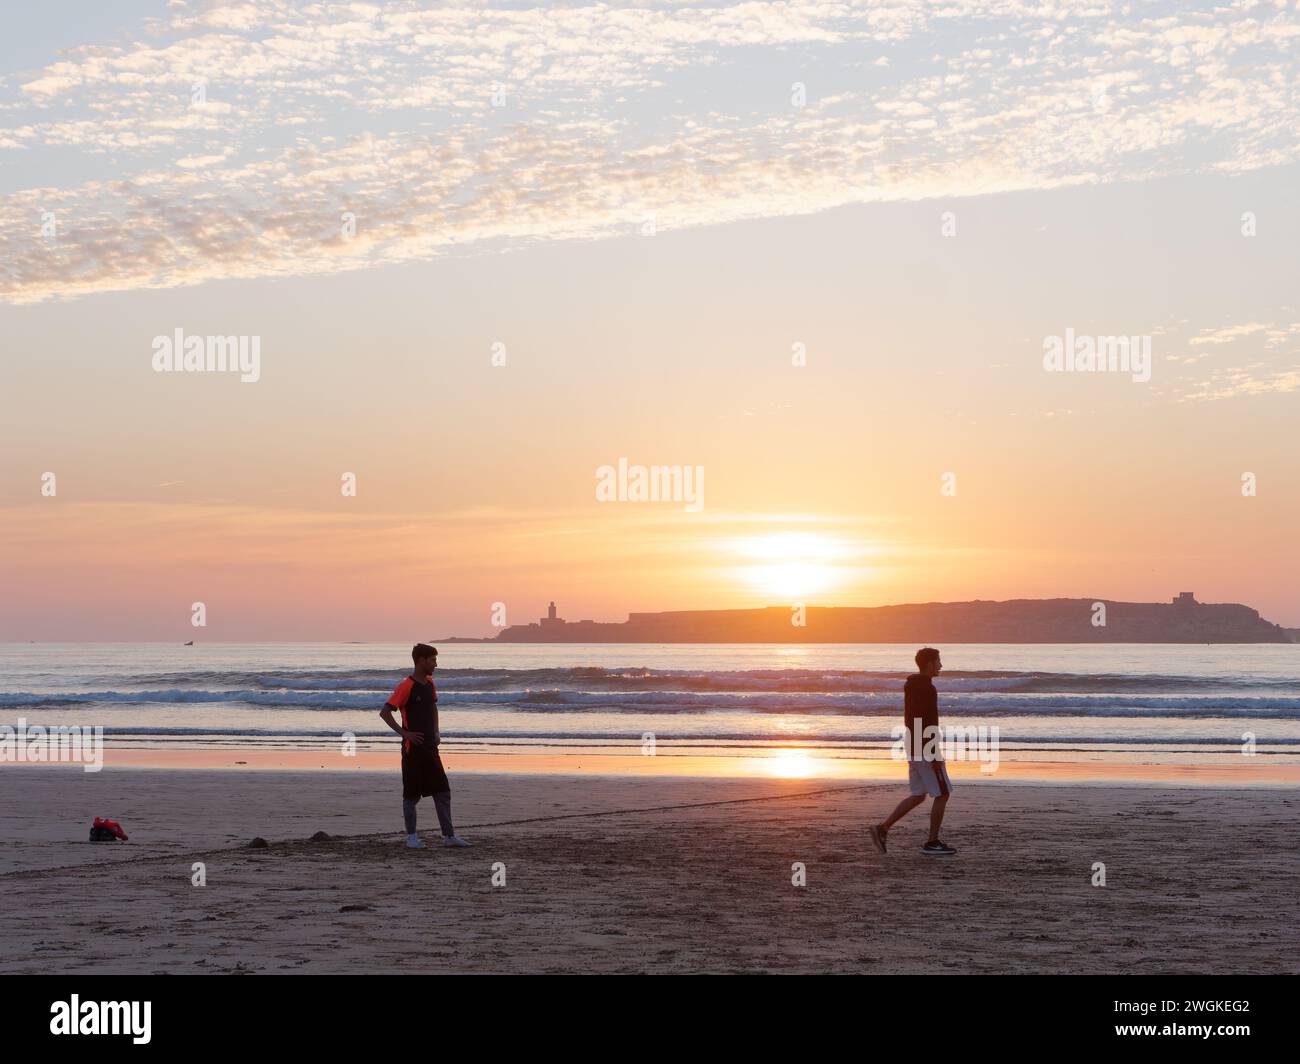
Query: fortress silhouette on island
1063	620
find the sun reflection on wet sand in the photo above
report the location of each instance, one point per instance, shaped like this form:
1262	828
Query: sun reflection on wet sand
792	764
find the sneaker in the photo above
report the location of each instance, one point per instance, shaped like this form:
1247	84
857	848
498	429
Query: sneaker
937	849
413	842
454	840
878	837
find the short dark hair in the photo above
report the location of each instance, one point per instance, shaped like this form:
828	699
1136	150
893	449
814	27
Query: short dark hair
926	655
422	650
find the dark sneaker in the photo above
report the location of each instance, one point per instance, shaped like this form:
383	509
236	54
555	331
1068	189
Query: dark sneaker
937	849
878	837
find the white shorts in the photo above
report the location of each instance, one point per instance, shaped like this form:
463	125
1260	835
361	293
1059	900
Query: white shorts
928	777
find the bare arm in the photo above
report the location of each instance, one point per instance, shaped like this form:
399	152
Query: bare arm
386	715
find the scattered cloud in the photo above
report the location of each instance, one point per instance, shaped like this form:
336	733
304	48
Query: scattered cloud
1265	360
231	141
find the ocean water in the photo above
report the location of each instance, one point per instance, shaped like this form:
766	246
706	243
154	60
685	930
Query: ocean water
1171	704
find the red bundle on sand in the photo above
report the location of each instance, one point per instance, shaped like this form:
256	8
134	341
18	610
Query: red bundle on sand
106	831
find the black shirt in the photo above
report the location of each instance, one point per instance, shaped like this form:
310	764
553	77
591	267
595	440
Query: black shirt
920	707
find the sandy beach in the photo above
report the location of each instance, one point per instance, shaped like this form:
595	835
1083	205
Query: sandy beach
619	874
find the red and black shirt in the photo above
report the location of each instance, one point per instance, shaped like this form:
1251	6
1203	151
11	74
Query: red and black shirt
418	703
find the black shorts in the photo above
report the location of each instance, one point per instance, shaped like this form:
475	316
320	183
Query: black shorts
423	774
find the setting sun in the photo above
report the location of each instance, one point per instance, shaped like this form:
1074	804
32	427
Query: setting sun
789	564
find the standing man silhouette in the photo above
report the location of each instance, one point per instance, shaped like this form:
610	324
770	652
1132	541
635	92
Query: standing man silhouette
422	773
